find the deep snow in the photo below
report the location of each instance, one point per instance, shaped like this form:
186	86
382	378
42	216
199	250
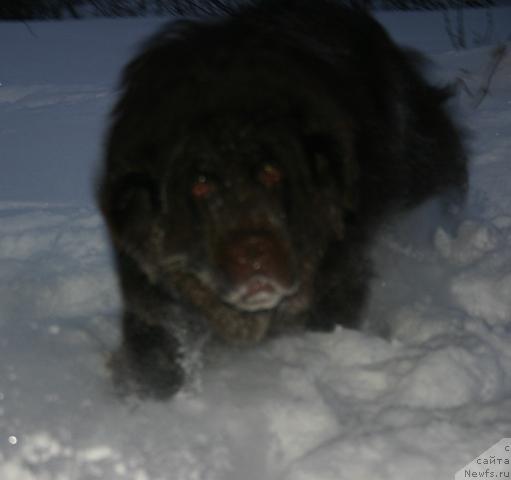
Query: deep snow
416	401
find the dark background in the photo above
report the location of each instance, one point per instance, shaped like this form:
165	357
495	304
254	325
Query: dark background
59	9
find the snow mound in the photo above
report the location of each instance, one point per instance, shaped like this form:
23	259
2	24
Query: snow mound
332	406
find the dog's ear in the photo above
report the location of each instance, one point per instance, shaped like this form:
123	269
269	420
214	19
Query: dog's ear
129	202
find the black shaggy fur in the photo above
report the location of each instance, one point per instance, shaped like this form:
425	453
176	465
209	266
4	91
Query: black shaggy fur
250	162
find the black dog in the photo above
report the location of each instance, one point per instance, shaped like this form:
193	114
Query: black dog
250	162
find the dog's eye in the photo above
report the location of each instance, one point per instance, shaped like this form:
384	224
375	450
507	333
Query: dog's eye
203	187
270	175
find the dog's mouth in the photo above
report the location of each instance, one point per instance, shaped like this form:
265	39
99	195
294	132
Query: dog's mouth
258	293
255	268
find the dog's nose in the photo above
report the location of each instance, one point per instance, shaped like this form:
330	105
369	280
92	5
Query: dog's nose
251	254
246	255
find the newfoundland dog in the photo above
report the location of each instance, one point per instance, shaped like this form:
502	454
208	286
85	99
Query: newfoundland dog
250	161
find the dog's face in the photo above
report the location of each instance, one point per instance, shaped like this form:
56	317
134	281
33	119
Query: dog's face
236	191
246	208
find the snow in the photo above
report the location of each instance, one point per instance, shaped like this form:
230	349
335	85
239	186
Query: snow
418	394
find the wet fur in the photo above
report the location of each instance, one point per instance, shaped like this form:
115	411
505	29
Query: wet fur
318	88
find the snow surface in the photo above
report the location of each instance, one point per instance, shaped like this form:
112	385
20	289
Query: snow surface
417	401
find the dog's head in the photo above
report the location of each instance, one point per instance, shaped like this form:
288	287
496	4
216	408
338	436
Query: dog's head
247	208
